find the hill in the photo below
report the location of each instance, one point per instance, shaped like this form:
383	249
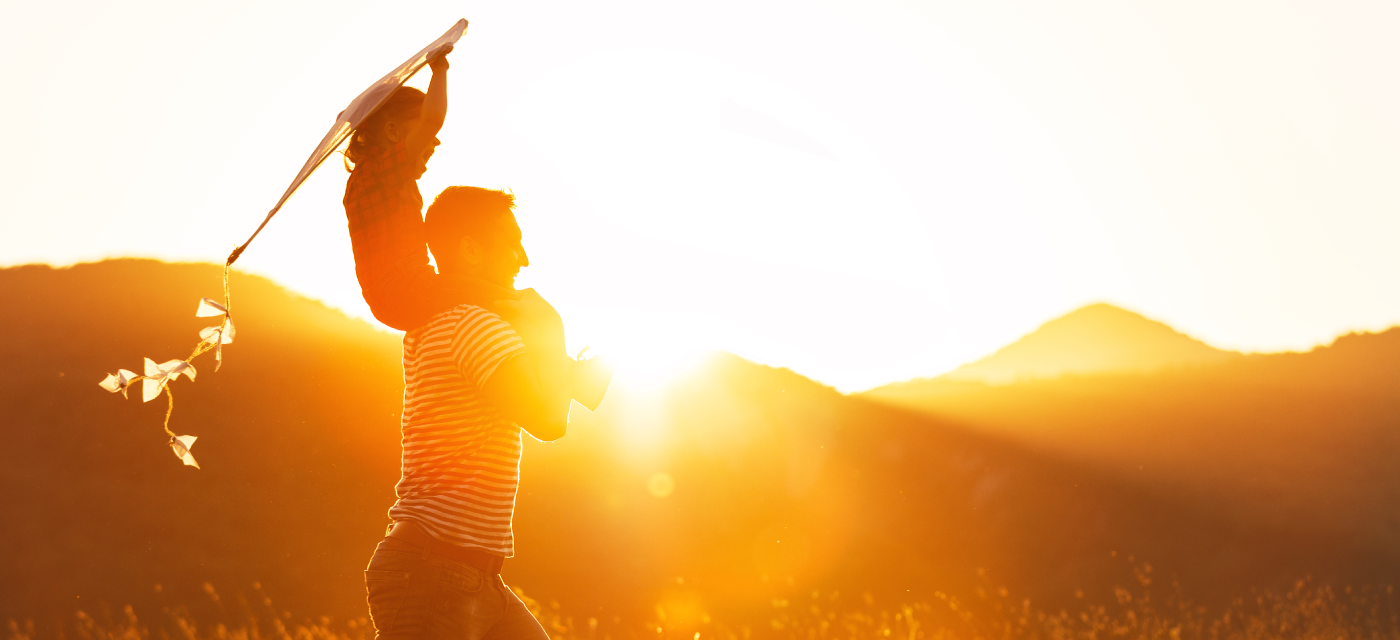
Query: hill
1301	442
1096	339
293	460
778	485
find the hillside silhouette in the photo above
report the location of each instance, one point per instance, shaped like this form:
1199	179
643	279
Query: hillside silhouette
780	484
1096	339
1300	441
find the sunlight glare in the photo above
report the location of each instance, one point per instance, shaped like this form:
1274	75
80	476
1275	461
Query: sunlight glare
648	350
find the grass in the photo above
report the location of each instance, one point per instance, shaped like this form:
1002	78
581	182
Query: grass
1307	611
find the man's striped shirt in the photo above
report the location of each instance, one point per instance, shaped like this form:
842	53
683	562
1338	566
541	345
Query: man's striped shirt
461	458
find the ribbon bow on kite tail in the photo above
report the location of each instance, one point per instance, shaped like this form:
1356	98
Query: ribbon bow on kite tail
216	336
158	377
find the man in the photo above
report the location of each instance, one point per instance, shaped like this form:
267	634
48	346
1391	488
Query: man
470	386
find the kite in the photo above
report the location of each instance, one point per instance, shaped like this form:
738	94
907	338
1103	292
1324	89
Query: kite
362	107
157	378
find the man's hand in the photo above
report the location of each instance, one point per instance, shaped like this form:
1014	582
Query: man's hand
588	381
540	326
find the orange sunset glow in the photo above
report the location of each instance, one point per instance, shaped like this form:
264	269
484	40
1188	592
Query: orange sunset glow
896	320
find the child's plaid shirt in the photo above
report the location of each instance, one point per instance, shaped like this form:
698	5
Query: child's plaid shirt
385	214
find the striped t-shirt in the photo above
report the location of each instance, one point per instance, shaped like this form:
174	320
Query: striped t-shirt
461	458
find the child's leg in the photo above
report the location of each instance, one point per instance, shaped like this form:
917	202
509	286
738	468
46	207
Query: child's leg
403	303
410	300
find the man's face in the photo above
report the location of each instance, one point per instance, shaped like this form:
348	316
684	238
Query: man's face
498	255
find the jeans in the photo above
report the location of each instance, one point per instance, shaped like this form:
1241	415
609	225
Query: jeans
415	595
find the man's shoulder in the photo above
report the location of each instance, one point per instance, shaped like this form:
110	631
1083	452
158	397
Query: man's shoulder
449	320
473	335
466	317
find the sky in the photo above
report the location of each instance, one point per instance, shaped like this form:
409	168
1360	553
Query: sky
864	192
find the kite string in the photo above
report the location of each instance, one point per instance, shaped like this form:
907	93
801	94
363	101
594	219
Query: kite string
317	157
203	347
228	304
169	408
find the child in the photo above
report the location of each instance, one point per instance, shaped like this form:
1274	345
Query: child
386	156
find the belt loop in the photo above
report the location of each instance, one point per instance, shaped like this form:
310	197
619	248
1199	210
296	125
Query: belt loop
428	540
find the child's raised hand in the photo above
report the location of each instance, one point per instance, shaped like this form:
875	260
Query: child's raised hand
439	62
423	136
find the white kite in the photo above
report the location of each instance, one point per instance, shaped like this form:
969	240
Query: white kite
158	377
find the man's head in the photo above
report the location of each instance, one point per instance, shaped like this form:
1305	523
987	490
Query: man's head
472	231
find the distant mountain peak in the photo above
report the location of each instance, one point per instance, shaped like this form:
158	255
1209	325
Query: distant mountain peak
1098	338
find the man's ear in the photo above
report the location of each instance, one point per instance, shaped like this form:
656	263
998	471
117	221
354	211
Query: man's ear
470	252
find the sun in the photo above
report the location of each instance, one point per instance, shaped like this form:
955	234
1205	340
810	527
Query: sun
649	364
648	350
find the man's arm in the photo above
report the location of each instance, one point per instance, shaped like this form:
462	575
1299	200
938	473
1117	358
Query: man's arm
533	389
539	407
434	107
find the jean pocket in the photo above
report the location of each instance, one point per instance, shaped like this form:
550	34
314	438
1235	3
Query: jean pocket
459	578
386	593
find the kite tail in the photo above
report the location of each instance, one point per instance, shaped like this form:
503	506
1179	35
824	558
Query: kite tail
169	409
204	347
228	304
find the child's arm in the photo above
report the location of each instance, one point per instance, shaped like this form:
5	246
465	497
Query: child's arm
424	136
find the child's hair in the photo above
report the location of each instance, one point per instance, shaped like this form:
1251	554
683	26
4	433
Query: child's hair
404	104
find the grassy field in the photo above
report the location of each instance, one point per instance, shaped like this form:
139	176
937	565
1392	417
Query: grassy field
1244	474
1307	611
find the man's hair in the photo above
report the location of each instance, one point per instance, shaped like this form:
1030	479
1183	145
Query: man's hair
406	103
463	212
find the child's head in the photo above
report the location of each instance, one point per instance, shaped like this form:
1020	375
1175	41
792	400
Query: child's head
387	125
